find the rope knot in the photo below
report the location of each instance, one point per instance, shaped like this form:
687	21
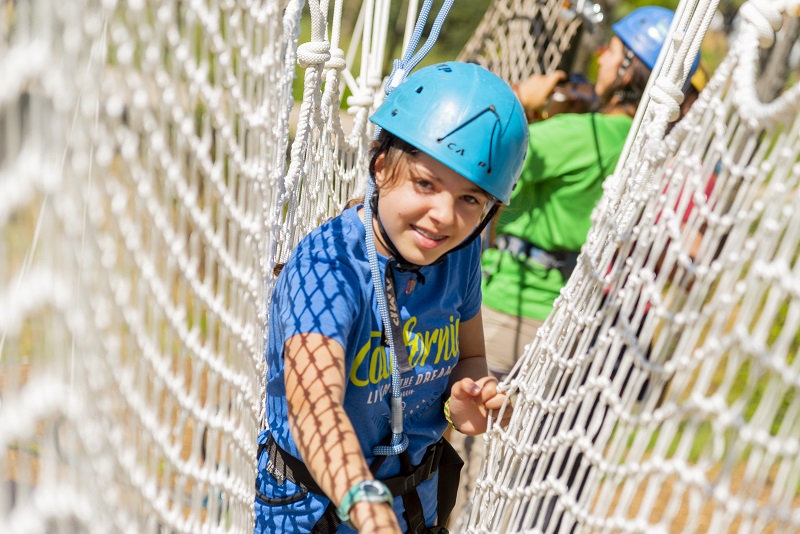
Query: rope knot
767	19
337	60
313	53
668	94
364	99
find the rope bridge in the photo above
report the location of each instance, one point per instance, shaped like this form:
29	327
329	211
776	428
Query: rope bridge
138	158
148	185
661	393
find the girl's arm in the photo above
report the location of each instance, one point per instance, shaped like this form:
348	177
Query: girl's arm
472	392
315	383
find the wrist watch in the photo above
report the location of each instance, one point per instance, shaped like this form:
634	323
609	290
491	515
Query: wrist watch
366	490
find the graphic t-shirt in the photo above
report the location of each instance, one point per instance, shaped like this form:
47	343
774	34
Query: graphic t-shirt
326	288
569	157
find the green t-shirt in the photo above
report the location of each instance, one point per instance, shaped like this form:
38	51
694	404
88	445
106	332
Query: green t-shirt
568	158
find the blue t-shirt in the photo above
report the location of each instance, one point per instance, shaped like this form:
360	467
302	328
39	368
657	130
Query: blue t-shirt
326	288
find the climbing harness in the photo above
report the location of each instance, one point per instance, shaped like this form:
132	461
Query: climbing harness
562	260
439	457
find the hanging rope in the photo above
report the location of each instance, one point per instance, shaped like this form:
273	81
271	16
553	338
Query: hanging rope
400	71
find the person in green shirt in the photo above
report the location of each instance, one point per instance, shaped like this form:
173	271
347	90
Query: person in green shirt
538	236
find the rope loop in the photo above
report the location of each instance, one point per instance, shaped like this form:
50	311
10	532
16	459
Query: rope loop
363	99
336	60
668	94
313	53
765	17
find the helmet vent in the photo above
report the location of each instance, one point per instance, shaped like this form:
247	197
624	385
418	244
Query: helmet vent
419	89
489	109
394	112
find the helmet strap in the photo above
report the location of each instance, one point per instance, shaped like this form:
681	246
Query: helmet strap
626	61
478	229
401	264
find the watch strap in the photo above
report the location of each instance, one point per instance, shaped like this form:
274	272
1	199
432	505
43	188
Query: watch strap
364	491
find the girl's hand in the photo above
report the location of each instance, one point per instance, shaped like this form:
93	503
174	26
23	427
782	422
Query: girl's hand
534	93
471	401
378	518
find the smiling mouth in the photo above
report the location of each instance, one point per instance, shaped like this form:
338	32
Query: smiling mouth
428	235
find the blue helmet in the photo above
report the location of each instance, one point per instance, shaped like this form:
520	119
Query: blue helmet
466	118
644	31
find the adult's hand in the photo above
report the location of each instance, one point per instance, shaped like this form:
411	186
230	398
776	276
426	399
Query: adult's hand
534	93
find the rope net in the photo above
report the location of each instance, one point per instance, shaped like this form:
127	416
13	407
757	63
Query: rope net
328	166
661	395
148	186
137	157
517	38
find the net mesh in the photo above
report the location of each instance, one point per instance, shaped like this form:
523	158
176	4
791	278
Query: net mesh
148	184
136	160
661	395
517	38
328	165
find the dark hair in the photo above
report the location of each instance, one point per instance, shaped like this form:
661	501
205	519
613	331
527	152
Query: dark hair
396	151
628	89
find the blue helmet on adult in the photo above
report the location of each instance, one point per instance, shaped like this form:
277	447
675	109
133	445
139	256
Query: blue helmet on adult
466	118
644	31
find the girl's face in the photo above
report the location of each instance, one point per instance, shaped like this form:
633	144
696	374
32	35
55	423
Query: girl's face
427	209
608	65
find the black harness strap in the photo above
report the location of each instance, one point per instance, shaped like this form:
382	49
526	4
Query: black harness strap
329	521
562	260
450	464
412	506
283	466
415	516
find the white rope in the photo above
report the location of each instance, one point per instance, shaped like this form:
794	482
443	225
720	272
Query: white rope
666	383
134	236
145	196
518	38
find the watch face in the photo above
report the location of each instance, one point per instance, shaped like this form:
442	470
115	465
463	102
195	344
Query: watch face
371	488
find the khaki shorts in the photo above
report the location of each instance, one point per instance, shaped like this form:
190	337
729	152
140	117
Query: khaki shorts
506	337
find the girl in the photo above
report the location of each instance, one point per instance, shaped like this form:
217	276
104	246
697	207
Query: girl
376	338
